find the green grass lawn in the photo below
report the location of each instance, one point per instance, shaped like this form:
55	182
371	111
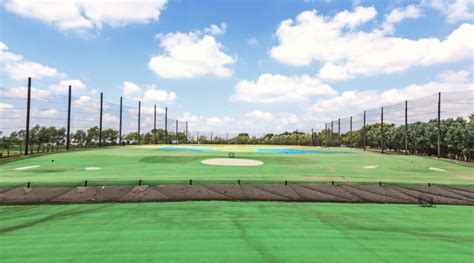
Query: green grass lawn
236	232
147	163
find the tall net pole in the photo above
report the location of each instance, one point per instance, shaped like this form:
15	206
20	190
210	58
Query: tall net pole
100	118
68	135
439	125
139	116
166	124
28	108
406	127
339	131
154	125
176	137
381	130
120	123
350	131
364	134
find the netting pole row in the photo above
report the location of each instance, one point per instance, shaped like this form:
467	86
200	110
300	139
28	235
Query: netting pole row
406	127
312	137
28	107
364	133
197	137
350	131
177	142
100	118
211	137
120	123
166	124
439	125
154	125
139	115
381	129
68	136
339	131
227	138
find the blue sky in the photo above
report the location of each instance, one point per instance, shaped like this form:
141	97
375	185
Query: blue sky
236	65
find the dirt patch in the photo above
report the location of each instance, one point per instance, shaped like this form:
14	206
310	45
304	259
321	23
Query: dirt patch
232	162
348	193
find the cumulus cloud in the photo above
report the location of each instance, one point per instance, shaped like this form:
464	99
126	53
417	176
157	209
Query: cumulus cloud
155	95
22	93
83	15
355	101
347	51
270	88
149	94
16	67
63	86
192	54
454	10
399	14
215	29
130	90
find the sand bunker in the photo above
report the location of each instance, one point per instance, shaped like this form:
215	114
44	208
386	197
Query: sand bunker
436	169
232	162
93	168
26	167
370	166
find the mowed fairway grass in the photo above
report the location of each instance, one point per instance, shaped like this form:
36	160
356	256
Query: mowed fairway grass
126	164
236	232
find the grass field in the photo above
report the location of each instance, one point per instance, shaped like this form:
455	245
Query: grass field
236	232
147	163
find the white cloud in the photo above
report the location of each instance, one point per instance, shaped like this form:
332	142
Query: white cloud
24	69
454	10
22	93
155	95
131	90
85	103
355	101
454	76
83	15
399	14
63	86
216	30
5	106
190	55
270	88
253	41
260	115
16	67
348	52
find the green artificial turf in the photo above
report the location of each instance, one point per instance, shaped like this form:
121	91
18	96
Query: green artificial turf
236	232
131	163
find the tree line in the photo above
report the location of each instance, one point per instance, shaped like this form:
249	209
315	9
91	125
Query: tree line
457	138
